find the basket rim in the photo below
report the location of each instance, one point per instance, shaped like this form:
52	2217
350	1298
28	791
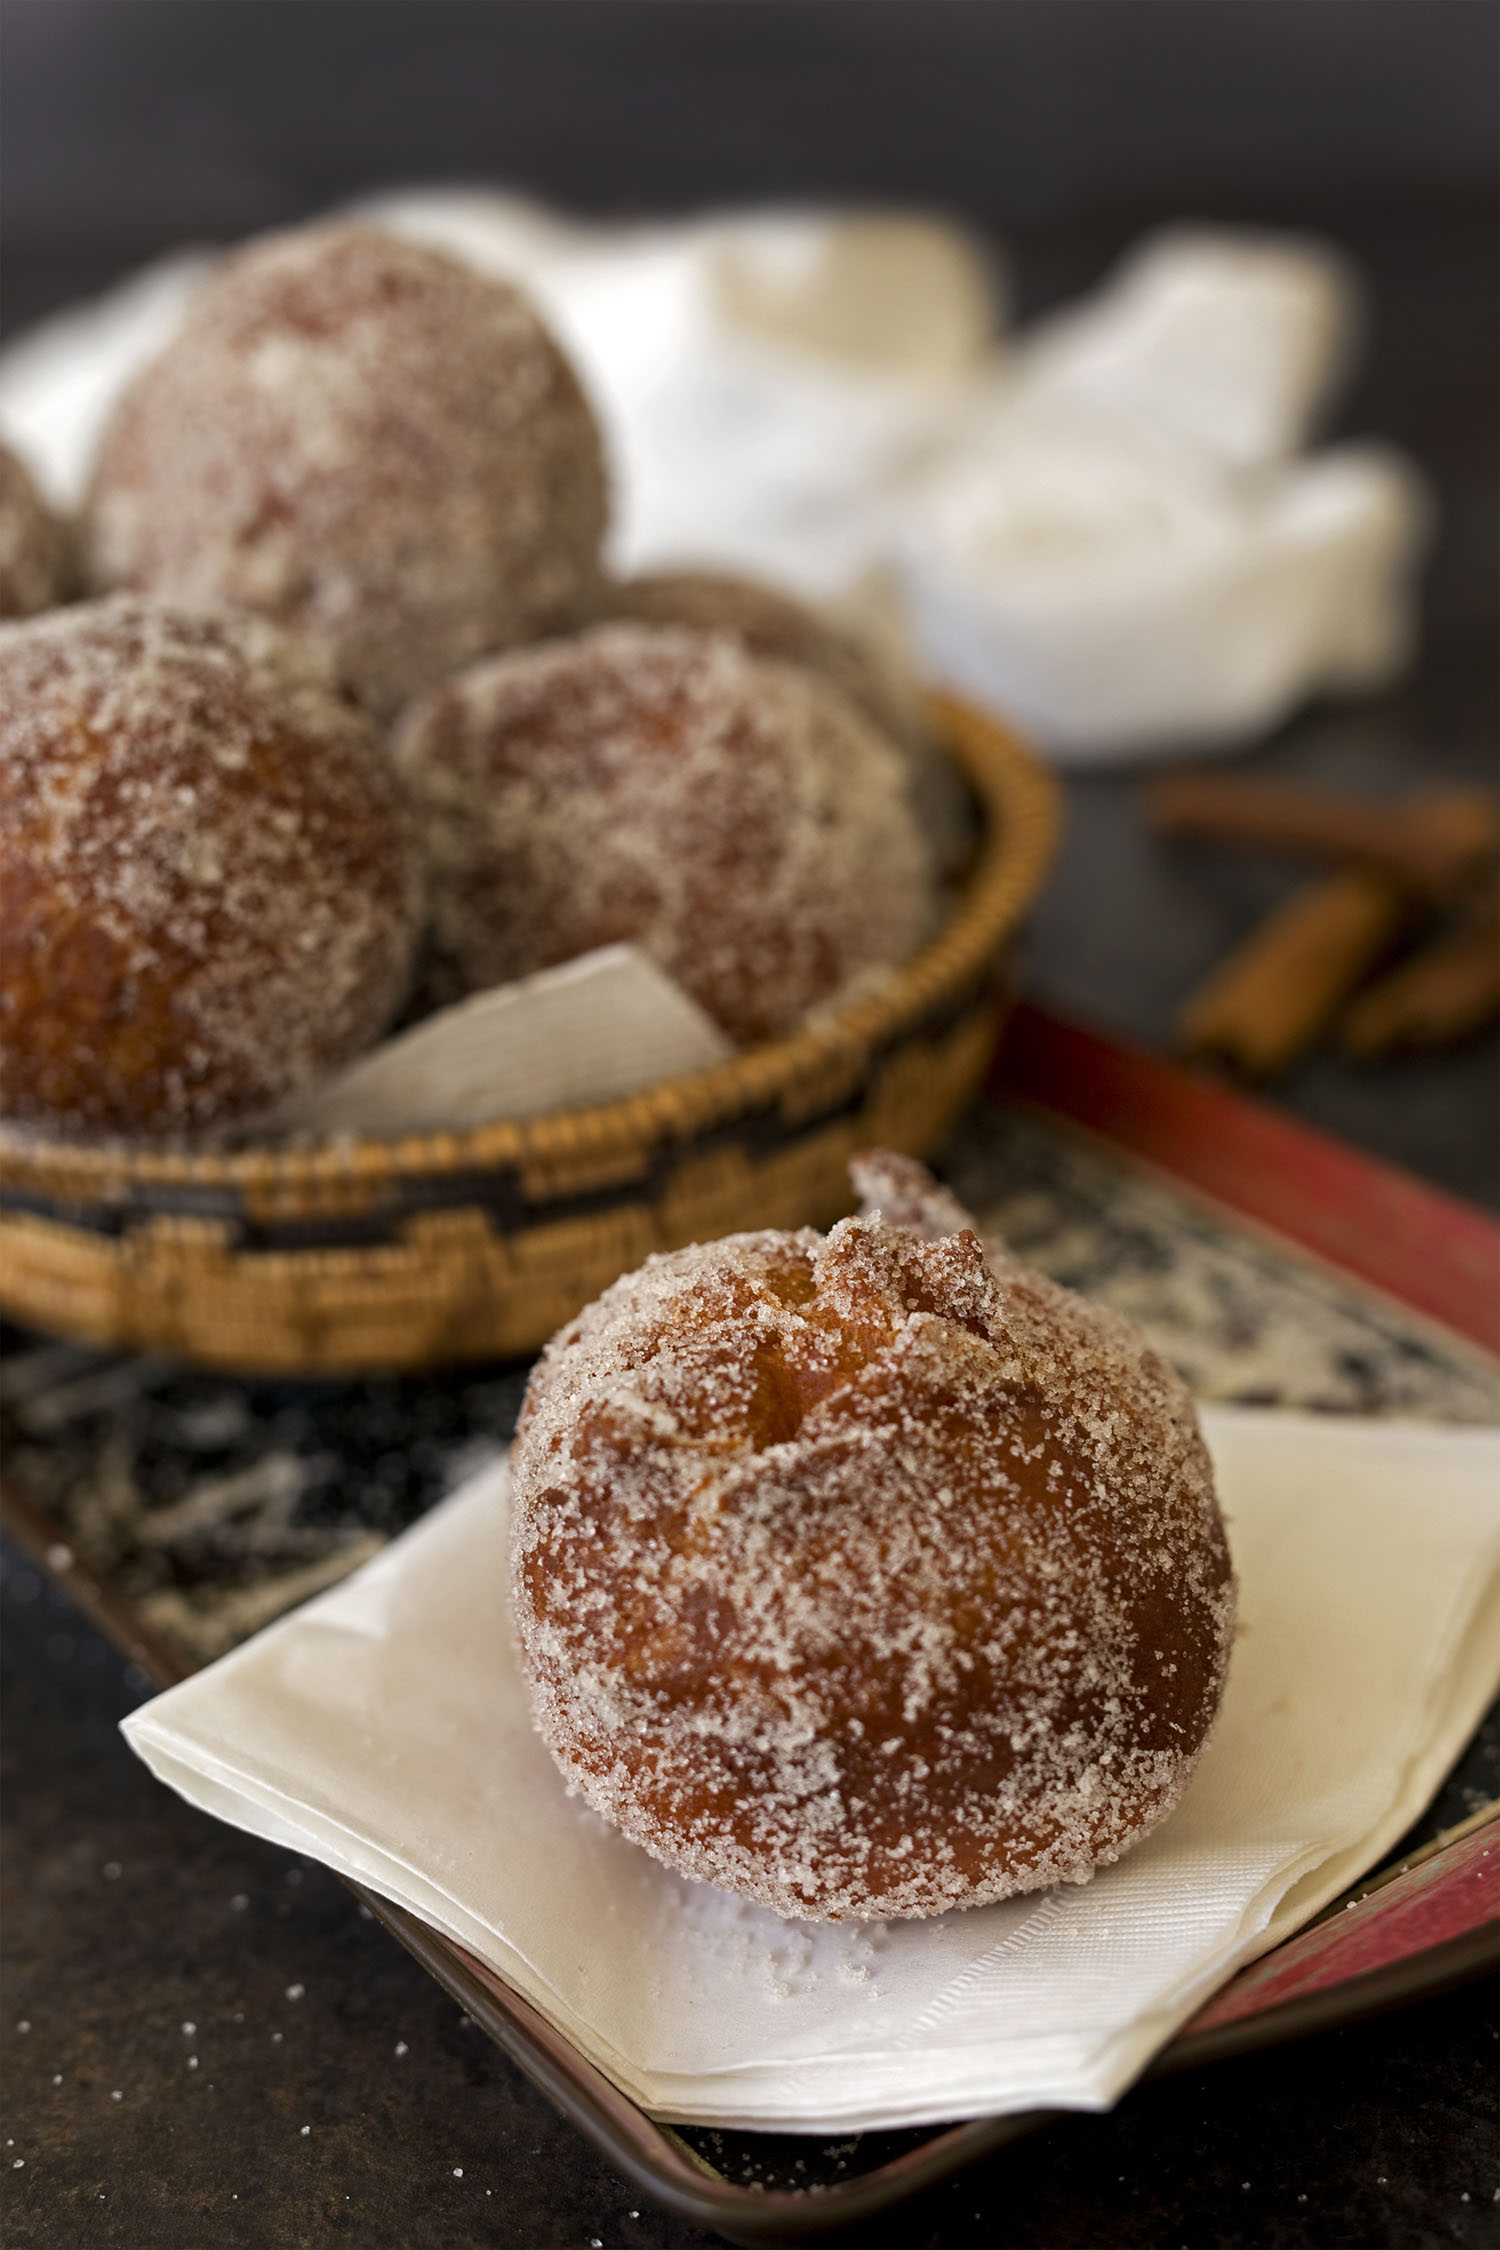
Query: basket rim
1020	800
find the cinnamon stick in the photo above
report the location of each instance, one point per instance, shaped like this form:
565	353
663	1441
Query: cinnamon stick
1278	990
1435	841
1445	993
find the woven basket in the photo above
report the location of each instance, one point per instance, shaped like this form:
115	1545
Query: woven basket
358	1256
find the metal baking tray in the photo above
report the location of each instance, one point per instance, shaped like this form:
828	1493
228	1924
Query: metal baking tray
1425	1923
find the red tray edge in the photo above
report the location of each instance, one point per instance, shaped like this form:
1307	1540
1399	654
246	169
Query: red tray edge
1427	1251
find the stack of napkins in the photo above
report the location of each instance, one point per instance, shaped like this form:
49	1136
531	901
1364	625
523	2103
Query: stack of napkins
383	1730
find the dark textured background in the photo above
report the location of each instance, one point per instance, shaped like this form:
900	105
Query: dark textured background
127	126
137	118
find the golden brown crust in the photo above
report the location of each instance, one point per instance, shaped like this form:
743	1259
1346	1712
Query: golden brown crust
735	818
209	888
370	443
857	1578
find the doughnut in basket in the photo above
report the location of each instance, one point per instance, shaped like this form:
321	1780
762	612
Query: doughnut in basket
771	623
737	819
863	1577
367	441
209	885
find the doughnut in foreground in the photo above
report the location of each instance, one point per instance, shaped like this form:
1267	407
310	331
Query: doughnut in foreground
863	1579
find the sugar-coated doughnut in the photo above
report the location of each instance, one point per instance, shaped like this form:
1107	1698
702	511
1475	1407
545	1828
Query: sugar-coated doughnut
209	885
367	441
862	1578
735	818
774	624
771	623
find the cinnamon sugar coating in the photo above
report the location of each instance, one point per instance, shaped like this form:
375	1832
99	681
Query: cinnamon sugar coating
33	545
209	885
861	1579
735	818
773	624
366	441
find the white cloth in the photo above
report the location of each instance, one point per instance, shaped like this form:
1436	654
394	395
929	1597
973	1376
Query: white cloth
383	1730
1118	593
59	380
1106	528
1235	341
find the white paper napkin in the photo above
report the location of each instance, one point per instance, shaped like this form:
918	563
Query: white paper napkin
599	1027
383	1730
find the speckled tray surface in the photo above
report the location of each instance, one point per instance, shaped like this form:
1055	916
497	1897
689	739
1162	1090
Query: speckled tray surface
204	1505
